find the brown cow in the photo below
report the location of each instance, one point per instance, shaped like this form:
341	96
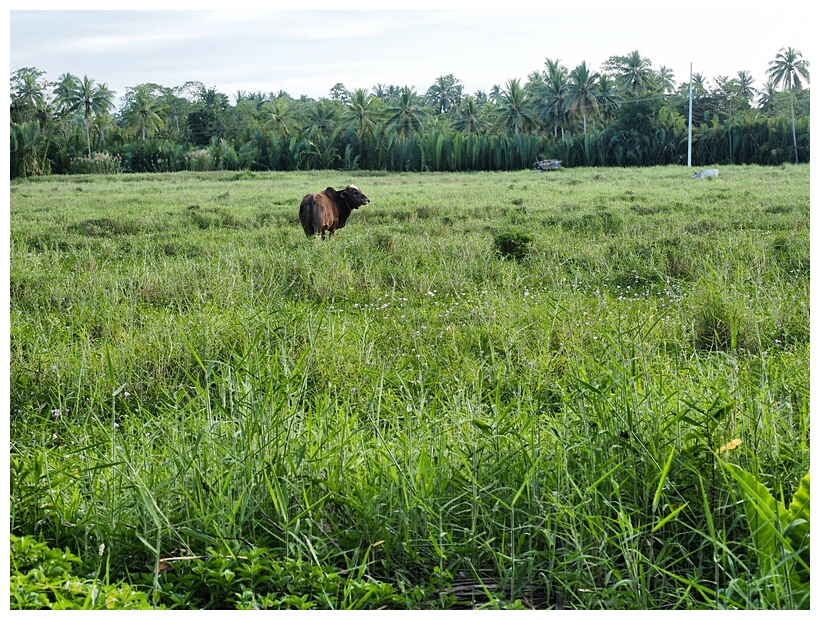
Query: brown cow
329	210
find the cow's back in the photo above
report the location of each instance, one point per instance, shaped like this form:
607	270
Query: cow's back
316	214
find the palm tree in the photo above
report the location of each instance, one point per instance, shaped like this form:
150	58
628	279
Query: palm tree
744	85
361	112
62	87
468	120
27	94
141	111
29	150
634	73
44	112
608	97
514	111
767	96
321	116
699	85
666	80
379	91
786	70
445	92
582	91
85	96
278	117
553	94
481	98
407	116
104	119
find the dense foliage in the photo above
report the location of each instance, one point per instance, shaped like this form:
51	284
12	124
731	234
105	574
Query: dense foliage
580	389
626	114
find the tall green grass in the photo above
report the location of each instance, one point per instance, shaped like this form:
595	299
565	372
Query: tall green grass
404	405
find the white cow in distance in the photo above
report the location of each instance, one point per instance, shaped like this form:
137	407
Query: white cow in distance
703	174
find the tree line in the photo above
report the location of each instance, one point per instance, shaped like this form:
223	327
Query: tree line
627	113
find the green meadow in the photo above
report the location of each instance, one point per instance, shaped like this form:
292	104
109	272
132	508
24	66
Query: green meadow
490	389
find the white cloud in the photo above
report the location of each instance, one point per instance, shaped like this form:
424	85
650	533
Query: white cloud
308	52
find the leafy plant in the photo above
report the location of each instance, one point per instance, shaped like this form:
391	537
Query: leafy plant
780	534
262	579
45	578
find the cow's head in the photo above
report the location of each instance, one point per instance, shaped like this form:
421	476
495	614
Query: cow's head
353	197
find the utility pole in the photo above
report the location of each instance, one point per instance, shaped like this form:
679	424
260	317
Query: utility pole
689	152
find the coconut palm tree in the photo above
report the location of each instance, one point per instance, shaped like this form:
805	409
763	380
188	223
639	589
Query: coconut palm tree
767	97
379	91
27	94
141	111
481	98
744	86
552	96
445	92
666	80
62	88
321	116
582	91
278	117
104	120
514	110
608	97
468	120
634	73
786	70
87	97
699	85
362	112
407	116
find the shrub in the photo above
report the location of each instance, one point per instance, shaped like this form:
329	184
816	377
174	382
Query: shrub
200	160
513	244
98	163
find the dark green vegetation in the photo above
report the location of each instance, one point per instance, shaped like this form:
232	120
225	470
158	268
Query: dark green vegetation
629	113
502	389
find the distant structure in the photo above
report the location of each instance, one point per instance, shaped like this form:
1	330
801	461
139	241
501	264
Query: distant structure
547	164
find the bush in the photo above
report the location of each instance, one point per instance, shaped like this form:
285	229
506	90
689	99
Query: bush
513	244
200	161
98	163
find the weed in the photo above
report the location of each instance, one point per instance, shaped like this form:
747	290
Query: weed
513	244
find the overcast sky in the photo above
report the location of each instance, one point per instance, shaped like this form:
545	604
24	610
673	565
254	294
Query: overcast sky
307	52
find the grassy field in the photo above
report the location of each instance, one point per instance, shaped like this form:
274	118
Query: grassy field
488	389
